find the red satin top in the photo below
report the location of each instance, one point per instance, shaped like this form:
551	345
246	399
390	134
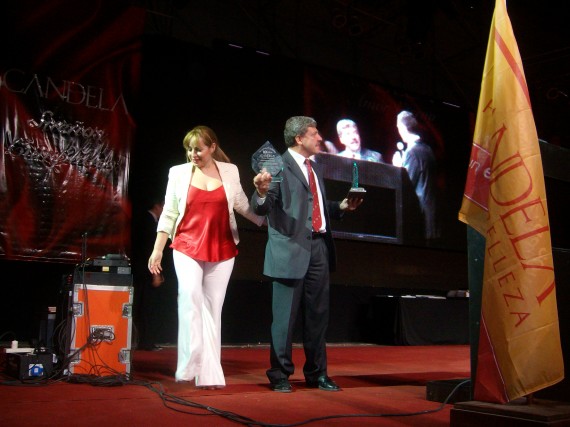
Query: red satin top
204	233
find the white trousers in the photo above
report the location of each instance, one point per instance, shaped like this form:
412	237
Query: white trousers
201	292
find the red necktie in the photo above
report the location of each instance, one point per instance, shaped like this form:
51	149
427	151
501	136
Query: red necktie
317	220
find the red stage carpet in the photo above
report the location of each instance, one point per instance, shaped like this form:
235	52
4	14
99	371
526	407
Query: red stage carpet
382	385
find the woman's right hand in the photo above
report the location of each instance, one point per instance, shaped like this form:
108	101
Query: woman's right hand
154	262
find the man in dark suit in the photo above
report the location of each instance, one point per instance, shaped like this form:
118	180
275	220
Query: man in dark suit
420	162
299	255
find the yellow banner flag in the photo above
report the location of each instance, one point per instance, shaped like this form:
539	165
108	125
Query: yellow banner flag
505	201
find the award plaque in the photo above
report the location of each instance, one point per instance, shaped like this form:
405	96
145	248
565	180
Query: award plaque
355	191
267	157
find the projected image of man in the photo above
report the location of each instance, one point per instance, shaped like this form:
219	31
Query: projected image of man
349	137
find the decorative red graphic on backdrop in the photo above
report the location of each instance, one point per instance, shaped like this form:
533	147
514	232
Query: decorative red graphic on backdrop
67	90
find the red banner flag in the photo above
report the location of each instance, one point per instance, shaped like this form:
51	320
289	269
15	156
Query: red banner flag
505	200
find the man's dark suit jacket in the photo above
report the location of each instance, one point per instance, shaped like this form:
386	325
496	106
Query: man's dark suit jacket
288	207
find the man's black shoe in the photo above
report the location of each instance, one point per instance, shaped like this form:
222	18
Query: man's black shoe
282	386
324	383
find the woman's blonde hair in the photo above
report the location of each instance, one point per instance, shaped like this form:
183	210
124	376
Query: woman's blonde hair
208	136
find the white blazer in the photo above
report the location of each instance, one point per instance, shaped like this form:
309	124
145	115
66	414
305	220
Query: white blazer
179	179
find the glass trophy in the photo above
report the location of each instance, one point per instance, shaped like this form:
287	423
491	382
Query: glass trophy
355	191
268	158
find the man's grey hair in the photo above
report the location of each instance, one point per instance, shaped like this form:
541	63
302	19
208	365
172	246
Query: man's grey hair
343	124
297	126
408	119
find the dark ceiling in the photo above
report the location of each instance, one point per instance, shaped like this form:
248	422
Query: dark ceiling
426	47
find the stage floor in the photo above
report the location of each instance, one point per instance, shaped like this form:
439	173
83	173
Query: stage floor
381	385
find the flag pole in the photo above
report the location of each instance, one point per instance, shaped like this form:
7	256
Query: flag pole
475	269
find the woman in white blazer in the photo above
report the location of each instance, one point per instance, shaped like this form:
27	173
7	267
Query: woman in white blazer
201	199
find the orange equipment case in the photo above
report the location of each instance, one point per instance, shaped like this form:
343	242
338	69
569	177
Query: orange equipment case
101	329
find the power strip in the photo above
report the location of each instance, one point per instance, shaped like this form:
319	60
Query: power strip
19	350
